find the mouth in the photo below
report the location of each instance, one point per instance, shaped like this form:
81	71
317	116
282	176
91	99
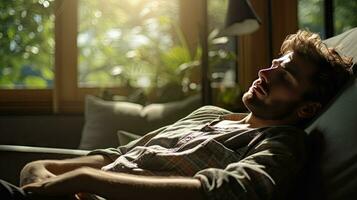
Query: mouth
260	87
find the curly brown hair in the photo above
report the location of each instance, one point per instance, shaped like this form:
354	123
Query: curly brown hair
333	69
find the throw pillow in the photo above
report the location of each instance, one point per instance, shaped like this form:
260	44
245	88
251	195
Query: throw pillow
104	118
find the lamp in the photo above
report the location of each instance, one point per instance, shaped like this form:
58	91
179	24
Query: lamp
240	19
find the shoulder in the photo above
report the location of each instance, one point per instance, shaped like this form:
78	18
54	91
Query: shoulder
288	138
286	134
284	130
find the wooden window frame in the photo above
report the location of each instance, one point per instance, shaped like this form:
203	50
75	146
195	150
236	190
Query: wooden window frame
66	96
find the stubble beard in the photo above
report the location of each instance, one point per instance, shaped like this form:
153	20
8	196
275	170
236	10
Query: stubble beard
274	111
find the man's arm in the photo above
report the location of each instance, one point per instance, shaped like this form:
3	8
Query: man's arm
43	169
113	185
127	186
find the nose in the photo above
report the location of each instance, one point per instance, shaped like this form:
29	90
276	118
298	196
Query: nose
265	73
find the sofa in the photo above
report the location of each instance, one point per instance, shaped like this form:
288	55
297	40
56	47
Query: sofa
332	167
331	171
104	124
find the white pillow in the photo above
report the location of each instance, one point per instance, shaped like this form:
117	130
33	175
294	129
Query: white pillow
104	118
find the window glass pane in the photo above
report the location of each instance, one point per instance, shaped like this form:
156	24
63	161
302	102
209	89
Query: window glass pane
311	15
217	13
222	57
344	15
27	44
133	43
221	49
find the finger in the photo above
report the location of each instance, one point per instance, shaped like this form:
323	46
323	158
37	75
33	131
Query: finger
83	196
79	196
50	175
30	180
34	188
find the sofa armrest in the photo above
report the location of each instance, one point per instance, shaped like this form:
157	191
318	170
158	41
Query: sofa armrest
13	158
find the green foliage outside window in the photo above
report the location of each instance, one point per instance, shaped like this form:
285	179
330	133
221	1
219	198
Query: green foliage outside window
138	44
26	43
129	42
311	15
345	15
135	44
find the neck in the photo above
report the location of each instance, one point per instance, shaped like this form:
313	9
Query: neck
255	122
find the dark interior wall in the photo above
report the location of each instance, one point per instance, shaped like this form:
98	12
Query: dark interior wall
60	131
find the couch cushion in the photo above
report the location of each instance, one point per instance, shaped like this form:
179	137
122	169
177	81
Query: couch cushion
337	164
104	118
345	43
160	114
333	172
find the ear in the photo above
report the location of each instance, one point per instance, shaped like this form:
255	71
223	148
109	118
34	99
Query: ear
309	109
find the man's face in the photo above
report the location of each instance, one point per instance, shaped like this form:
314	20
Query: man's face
279	90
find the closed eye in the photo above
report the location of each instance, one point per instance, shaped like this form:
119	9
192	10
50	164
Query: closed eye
289	75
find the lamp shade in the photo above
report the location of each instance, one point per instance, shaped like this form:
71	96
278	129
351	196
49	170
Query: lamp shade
241	19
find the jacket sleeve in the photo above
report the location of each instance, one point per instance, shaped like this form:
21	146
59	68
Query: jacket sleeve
271	164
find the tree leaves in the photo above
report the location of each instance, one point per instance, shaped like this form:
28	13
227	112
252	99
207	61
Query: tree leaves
27	35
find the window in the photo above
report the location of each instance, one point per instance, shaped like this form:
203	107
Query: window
57	51
344	15
311	16
222	50
27	44
115	49
129	43
327	17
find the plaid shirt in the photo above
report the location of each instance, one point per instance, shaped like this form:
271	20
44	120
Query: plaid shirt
231	163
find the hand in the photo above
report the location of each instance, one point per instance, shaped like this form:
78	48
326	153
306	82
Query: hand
85	196
34	172
68	183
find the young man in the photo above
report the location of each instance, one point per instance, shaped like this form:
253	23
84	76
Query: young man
253	156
